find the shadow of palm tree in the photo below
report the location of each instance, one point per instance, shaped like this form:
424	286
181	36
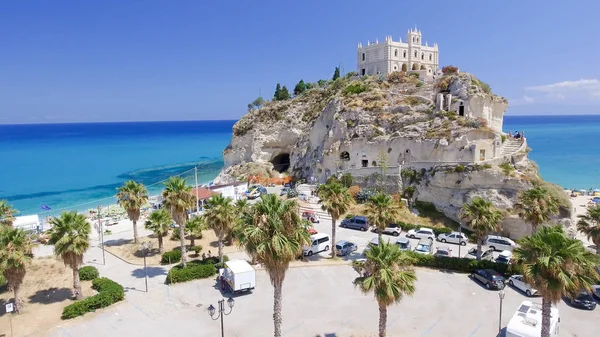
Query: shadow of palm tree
117	242
152	272
51	295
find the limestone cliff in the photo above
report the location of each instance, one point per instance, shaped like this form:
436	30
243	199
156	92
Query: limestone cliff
443	135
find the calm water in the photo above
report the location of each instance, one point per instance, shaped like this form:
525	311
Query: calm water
565	147
79	166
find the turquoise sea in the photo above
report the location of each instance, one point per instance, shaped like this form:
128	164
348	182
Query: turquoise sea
78	166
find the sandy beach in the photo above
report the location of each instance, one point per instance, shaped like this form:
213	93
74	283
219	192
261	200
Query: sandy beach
580	206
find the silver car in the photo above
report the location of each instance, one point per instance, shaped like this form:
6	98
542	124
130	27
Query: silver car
518	282
454	237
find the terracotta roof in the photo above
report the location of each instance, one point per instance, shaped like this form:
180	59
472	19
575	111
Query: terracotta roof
204	193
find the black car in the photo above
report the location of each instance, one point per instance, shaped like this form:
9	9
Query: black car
490	278
583	300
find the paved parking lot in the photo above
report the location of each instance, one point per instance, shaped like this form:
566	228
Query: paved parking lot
319	300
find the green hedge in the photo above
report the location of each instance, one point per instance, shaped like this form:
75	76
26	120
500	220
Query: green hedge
109	292
171	257
195	269
461	265
88	273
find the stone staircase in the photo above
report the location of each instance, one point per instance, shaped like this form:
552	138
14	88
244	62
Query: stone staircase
511	146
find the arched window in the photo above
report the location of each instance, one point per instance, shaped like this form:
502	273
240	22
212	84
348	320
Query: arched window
430	56
415	53
404	54
395	68
413	39
422	56
396	53
363	56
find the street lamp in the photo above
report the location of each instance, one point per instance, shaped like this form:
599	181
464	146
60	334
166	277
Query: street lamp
501	295
101	234
146	246
211	311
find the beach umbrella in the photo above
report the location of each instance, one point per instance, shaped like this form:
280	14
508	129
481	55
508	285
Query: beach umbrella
597	190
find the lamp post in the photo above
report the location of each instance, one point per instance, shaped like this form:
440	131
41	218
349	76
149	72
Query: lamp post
146	246
501	295
101	234
211	311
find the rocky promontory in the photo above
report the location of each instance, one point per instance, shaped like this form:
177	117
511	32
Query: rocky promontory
434	139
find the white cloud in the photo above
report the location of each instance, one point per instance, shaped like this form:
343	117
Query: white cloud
521	101
579	91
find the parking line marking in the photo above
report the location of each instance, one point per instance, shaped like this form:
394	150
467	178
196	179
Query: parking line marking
474	331
426	332
140	309
292	328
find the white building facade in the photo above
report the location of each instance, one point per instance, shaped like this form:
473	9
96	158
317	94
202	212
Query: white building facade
389	56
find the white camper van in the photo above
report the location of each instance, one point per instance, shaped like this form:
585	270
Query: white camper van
527	321
237	276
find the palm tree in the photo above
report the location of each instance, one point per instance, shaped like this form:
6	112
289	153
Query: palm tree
536	206
387	274
589	224
220	216
556	266
70	235
158	222
132	196
274	235
178	199
336	201
482	217
194	227
15	255
381	211
7	214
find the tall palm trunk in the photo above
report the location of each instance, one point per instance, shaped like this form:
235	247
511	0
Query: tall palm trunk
77	283
160	243
333	250
182	243
192	240
135	232
382	319
277	298
221	247
379	234
18	301
546	312
597	244
479	245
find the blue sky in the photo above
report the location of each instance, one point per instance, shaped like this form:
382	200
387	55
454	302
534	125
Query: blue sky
75	61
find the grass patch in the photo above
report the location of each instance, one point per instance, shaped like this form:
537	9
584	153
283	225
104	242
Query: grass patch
507	168
355	88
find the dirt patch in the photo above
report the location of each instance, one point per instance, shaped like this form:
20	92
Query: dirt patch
130	252
46	290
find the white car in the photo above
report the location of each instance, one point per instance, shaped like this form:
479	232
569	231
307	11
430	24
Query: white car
454	237
421	233
517	281
393	229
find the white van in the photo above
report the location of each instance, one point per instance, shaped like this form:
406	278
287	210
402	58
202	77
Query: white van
499	243
320	243
527	321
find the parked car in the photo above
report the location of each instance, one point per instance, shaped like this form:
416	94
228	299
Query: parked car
444	251
319	243
375	242
344	248
310	216
505	257
421	233
496	242
485	254
454	237
596	291
518	282
582	299
403	244
356	222
393	229
490	278
425	246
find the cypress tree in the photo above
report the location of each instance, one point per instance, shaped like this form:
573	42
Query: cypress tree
336	73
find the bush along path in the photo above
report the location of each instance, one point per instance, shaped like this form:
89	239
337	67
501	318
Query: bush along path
109	292
195	269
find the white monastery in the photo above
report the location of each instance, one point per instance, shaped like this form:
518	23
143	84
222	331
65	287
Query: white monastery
390	56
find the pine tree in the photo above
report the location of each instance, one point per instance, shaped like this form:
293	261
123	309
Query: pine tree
300	88
284	94
336	73
277	96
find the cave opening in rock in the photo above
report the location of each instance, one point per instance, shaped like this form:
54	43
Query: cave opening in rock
281	162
